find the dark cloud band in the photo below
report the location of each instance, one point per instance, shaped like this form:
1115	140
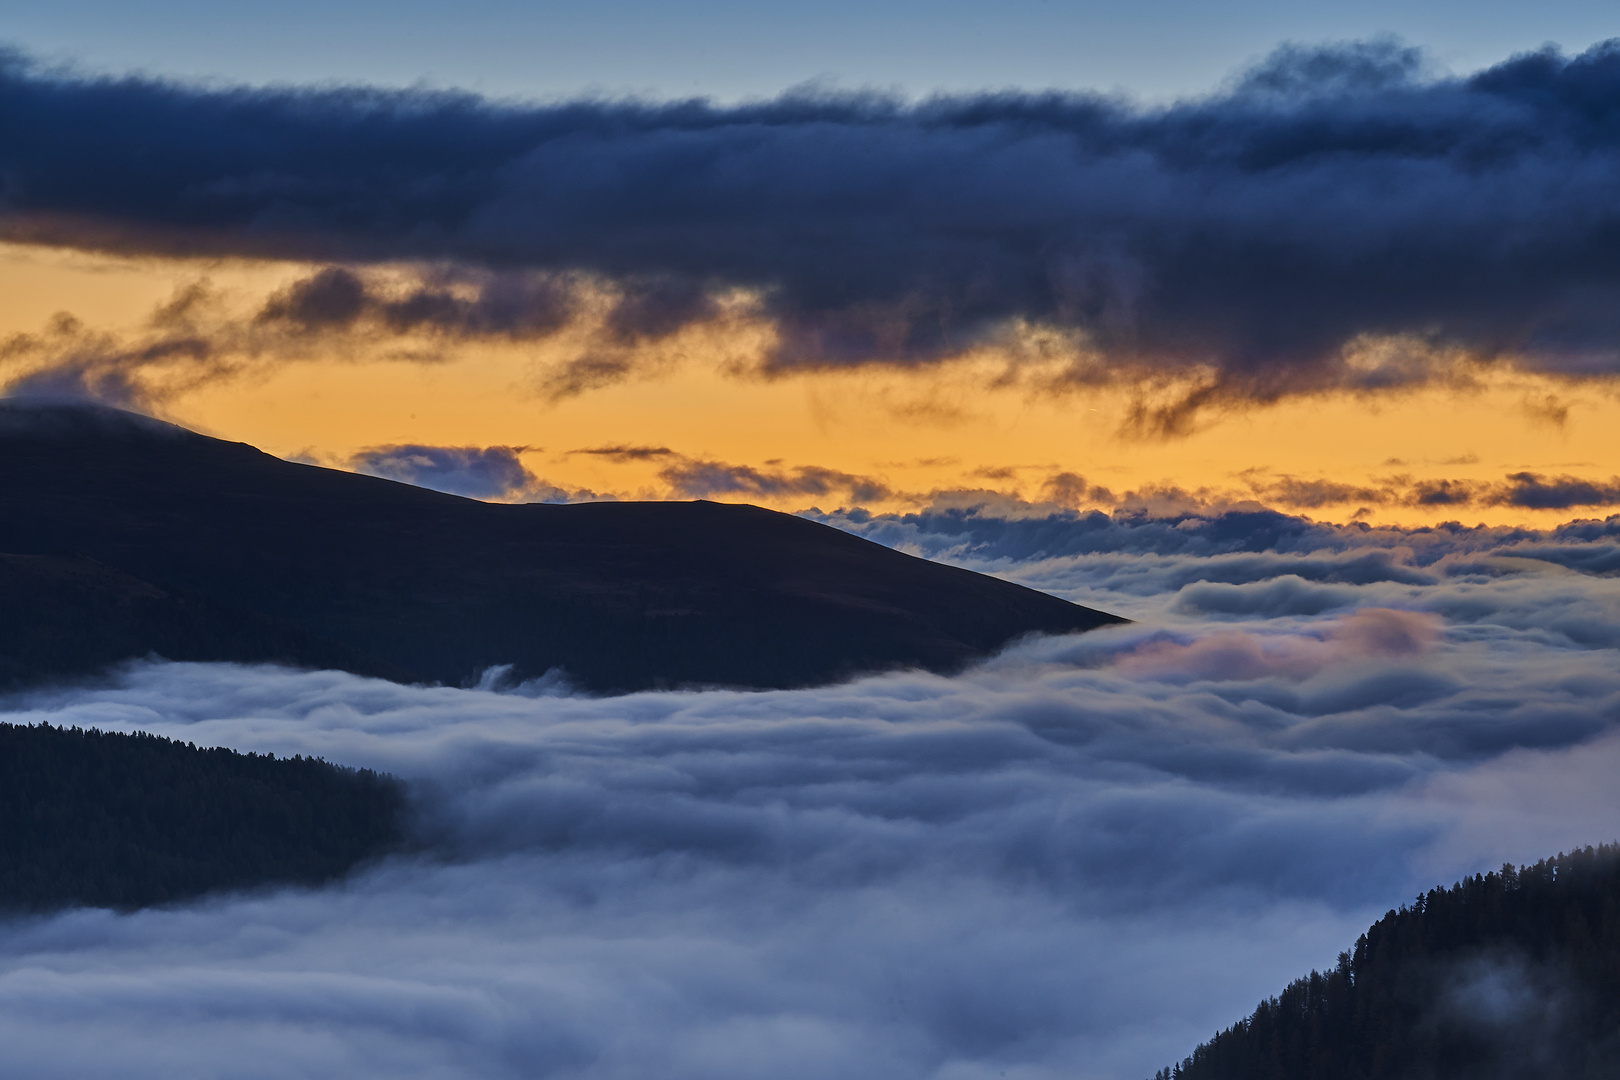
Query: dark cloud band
1250	236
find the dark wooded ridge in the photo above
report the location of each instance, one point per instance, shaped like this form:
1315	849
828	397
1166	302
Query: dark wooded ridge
111	820
1502	976
125	536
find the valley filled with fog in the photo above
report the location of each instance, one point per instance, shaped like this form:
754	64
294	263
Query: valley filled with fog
1079	858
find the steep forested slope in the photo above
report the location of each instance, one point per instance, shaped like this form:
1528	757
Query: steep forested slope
1505	975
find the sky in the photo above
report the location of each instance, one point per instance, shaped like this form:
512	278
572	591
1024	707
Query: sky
730	50
1350	275
1286	330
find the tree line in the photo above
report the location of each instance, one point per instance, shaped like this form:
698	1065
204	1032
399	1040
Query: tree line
1503	975
98	818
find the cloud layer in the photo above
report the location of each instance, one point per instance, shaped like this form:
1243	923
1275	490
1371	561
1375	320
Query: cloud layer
1078	859
478	472
1333	219
700	478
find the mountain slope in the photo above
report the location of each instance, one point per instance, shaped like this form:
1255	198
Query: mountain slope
282	561
67	615
1502	976
116	820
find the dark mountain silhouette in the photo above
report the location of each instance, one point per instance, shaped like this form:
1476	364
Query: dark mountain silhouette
123	821
1509	976
126	536
66	615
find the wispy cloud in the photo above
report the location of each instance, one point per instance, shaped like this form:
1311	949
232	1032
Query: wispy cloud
414	314
478	472
1538	492
625	453
515	306
698	479
1045	490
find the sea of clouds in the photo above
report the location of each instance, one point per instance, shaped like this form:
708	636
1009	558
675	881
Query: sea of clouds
1078	859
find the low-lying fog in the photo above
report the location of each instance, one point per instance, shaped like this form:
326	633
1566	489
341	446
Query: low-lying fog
1079	859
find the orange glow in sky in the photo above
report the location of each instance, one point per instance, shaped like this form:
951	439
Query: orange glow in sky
920	433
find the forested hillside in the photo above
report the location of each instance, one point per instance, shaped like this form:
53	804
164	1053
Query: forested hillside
104	819
1502	976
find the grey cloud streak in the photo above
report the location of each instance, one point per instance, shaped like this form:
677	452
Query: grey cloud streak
1527	490
1078	859
497	472
1242	241
477	472
457	303
698	479
624	453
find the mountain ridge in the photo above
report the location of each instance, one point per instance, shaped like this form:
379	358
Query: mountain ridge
290	562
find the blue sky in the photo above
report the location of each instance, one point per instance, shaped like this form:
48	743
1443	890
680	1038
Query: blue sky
728	49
